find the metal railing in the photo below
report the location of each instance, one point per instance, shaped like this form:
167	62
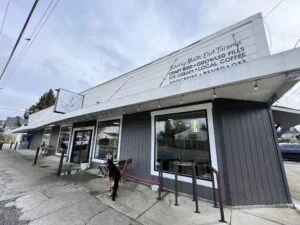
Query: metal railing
214	171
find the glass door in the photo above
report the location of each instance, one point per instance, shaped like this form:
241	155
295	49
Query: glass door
81	146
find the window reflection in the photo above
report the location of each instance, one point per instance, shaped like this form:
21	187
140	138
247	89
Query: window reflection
64	139
46	137
107	139
183	137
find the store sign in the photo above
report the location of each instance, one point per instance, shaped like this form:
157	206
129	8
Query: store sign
67	101
230	47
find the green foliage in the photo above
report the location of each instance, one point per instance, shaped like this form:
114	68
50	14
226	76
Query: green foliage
46	100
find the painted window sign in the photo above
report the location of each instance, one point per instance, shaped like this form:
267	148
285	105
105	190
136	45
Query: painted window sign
221	57
183	137
217	52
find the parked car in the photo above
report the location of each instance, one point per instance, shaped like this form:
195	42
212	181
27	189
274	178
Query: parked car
290	151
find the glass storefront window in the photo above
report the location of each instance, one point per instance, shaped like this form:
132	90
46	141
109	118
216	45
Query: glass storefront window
46	137
107	143
183	137
64	139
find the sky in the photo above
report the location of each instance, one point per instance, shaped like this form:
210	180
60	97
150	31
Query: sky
85	43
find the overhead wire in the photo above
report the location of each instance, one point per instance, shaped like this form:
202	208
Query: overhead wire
36	31
297	43
4	17
32	37
273	9
19	38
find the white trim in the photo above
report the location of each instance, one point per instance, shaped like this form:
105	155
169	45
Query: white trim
96	134
72	140
70	125
283	109
212	143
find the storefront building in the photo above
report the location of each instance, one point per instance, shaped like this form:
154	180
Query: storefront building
209	103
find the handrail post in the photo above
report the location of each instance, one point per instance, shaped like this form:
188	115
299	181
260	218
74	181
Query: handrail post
194	187
176	184
61	162
214	188
220	198
160	180
36	155
219	195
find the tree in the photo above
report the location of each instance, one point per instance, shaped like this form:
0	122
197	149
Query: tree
46	100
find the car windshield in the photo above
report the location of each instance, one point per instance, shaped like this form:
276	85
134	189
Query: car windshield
289	146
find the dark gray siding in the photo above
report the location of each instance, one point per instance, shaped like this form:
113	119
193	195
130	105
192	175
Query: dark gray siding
36	139
136	144
54	136
248	158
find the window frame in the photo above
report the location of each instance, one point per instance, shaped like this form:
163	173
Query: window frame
70	125
96	135
46	128
211	137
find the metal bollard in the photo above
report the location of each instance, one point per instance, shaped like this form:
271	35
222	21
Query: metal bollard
214	190
11	144
220	199
160	179
36	155
195	197
176	184
16	145
61	162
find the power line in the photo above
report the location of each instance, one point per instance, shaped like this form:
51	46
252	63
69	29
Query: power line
272	9
19	38
10	109
297	43
32	34
6	9
35	33
269	35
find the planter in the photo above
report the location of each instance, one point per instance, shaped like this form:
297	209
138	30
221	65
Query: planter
84	166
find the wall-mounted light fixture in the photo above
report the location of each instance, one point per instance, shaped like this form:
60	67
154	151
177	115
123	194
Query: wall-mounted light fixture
255	87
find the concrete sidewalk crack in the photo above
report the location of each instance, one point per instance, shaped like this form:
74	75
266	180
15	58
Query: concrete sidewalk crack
150	206
60	208
101	211
263	218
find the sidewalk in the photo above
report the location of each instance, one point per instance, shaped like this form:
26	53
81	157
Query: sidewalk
135	204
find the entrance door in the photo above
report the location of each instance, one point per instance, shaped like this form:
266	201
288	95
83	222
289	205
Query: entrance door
81	146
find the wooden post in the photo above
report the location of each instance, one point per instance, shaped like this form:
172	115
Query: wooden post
61	162
194	187
176	184
36	155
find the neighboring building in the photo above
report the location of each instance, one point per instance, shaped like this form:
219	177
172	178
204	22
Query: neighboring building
12	123
2	122
208	103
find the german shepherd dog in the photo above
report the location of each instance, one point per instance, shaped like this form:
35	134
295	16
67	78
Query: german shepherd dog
114	175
